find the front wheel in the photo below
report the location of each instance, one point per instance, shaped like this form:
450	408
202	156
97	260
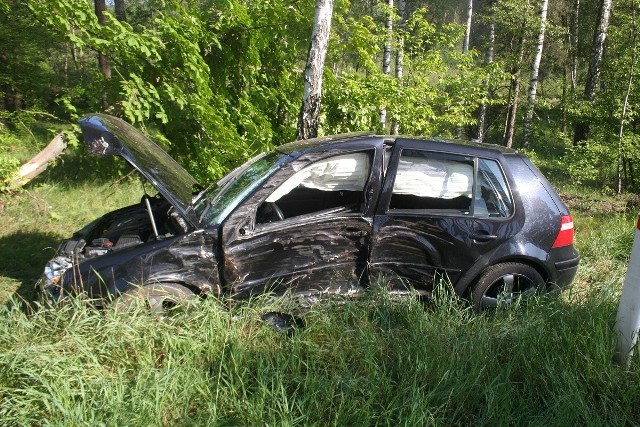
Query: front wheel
159	298
503	284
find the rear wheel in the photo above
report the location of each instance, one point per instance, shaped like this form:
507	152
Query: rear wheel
504	284
159	298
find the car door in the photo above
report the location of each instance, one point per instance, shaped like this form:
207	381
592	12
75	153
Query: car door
308	228
440	212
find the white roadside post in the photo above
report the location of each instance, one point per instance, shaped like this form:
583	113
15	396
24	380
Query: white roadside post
628	318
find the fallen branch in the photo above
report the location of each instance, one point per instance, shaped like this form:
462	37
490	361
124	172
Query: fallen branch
39	163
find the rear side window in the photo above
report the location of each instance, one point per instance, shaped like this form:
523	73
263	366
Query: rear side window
450	184
492	194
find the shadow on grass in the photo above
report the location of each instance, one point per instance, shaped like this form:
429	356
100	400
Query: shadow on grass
23	258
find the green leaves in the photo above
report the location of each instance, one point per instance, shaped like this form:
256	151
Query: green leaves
441	88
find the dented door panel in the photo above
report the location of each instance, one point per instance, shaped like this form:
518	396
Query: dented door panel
316	252
415	248
315	255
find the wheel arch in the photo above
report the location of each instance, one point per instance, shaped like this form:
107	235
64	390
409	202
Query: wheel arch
465	283
200	290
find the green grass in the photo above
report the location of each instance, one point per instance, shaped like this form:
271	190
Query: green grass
374	361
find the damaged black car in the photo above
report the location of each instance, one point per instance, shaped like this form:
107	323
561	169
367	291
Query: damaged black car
329	215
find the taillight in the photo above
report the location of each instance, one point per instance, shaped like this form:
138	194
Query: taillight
565	235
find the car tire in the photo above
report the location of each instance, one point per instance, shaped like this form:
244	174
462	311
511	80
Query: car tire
159	298
503	284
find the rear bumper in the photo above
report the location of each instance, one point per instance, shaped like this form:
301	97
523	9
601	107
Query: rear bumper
565	262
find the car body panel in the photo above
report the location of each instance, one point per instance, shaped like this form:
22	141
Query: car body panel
188	259
106	135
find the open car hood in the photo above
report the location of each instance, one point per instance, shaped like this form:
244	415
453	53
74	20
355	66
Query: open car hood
106	135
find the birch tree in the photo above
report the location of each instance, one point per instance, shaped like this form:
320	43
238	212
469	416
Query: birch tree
515	23
597	49
625	104
535	68
482	113
386	56
575	27
310	109
595	64
467	32
465	46
399	70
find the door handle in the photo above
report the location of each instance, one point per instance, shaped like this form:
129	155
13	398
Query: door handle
481	237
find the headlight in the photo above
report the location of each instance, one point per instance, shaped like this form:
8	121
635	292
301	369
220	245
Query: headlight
56	268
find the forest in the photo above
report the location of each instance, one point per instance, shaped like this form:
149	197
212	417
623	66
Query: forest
216	81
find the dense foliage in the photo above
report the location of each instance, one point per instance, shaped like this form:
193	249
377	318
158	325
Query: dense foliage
218	80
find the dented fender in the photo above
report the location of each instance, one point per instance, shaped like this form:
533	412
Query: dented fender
190	259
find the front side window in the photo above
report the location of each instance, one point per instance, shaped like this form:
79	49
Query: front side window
336	183
433	181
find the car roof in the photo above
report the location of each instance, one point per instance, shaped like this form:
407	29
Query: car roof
439	144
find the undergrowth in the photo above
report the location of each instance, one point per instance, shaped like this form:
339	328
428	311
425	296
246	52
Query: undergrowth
371	361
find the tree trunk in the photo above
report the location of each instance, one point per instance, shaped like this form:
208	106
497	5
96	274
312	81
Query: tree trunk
39	163
465	47
597	50
625	104
482	114
395	126
101	7
514	98
535	67
467	33
386	57
12	98
121	13
512	111
574	47
310	109
103	62
595	61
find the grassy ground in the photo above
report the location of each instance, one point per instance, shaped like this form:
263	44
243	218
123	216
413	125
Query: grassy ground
377	361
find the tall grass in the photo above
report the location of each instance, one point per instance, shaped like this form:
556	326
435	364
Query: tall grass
374	361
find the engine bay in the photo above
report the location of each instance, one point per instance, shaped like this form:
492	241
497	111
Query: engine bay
153	218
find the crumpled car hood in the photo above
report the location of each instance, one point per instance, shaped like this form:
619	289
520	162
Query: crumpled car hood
106	135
